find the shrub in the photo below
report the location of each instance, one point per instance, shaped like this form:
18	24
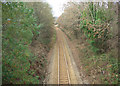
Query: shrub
18	30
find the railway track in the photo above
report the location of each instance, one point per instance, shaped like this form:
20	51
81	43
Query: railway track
64	76
62	71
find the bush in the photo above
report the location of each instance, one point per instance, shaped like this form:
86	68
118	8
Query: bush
18	30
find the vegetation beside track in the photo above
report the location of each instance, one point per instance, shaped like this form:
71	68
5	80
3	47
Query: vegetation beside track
95	27
26	37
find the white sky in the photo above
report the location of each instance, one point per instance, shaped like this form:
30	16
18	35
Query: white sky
57	6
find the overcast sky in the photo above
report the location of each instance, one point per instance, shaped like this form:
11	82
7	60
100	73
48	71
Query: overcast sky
57	6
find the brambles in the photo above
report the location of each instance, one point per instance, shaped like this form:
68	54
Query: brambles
92	23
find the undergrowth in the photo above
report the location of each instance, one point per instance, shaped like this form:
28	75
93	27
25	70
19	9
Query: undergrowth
105	66
93	25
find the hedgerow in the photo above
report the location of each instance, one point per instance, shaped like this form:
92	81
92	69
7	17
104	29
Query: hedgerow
20	29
